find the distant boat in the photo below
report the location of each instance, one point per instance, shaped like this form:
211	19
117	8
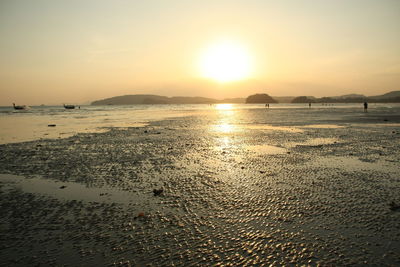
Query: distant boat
69	106
19	107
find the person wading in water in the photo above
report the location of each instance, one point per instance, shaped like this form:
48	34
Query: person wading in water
365	106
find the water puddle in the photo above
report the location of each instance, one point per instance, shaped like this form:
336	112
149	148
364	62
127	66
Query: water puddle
225	128
230	128
65	190
323	126
355	164
267	149
315	142
273	128
379	125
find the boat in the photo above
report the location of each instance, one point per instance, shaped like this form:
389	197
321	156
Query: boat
19	107
69	106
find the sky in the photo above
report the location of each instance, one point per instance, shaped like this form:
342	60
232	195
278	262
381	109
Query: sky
78	51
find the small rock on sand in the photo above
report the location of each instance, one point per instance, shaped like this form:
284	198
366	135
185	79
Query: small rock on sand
158	192
394	206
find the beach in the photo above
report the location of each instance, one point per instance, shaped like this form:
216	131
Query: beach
199	185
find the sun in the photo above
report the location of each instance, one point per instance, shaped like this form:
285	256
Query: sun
225	61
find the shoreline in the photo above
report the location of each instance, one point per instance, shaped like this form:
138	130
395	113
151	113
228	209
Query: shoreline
59	124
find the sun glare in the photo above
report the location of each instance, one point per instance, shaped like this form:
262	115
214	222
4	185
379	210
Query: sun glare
224	106
225	61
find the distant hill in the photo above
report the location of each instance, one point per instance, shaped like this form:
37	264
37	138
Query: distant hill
391	97
260	98
392	94
233	100
156	99
191	100
132	99
283	99
304	99
153	99
349	96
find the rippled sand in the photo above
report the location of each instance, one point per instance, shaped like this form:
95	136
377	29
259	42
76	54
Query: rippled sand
239	187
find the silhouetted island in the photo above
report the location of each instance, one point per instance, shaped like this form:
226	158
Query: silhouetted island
156	99
393	97
304	99
260	98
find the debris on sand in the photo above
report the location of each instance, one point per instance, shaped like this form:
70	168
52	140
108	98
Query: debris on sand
140	215
51	125
394	206
63	186
158	192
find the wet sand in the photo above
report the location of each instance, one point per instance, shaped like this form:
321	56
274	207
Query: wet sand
240	187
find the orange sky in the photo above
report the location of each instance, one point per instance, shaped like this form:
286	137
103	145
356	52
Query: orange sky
55	52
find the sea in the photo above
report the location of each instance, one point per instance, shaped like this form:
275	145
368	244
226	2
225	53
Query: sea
43	122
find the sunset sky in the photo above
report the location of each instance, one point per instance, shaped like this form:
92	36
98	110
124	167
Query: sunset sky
77	51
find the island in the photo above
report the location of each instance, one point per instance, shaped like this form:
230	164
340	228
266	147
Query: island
262	98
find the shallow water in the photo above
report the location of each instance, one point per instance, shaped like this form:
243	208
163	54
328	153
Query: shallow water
32	124
266	149
356	164
66	190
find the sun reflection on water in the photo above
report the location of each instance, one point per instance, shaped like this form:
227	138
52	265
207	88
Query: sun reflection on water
225	128
225	142
223	106
227	119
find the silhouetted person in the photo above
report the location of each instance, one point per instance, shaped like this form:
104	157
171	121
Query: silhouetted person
309	105
267	105
365	106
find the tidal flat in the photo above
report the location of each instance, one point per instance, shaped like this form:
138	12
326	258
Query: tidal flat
224	187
